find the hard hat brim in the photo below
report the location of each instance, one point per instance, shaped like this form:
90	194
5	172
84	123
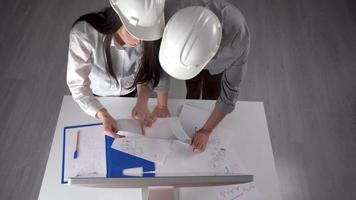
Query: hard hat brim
178	72
150	33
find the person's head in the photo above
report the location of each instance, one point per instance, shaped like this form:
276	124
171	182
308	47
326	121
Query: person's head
108	22
190	40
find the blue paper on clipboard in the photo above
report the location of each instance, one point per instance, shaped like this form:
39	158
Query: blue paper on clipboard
95	158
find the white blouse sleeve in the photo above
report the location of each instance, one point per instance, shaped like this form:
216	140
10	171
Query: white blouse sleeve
78	69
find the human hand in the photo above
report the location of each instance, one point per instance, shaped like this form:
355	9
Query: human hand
161	111
142	112
200	140
109	123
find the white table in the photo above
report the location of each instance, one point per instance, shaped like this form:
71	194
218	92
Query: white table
253	147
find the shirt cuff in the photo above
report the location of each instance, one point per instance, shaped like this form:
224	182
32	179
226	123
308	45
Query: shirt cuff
93	107
224	107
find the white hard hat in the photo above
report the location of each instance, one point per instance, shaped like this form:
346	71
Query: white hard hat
143	19
190	40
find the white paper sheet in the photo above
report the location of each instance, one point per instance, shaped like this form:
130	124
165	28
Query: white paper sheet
167	128
91	160
129	125
216	158
153	149
192	118
213	159
163	128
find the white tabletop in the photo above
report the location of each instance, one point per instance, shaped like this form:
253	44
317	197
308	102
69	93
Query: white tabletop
253	146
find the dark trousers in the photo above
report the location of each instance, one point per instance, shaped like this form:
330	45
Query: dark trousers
205	85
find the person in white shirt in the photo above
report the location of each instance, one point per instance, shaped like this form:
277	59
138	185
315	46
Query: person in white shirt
105	59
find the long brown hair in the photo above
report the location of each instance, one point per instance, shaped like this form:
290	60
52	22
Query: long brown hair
108	22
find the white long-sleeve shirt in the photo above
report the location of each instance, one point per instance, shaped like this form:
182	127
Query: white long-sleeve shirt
86	73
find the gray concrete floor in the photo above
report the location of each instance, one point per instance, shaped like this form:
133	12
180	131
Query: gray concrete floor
302	65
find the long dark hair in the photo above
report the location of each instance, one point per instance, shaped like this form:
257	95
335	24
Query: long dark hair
108	22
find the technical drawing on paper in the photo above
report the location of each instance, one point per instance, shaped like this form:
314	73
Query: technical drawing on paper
151	149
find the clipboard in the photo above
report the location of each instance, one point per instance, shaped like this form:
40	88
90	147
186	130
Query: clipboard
116	161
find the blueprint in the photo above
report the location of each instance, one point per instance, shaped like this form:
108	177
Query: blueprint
152	149
91	160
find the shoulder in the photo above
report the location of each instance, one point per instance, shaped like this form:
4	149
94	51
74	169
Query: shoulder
84	31
83	27
234	26
231	17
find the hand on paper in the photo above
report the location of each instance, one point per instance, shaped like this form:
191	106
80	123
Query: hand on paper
161	111
200	140
110	125
142	112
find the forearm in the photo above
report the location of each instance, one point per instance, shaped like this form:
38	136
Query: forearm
214	119
143	91
141	110
102	114
162	99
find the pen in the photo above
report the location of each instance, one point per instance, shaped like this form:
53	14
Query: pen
75	156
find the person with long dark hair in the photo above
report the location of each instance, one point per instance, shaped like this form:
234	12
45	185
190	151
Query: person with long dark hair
105	59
